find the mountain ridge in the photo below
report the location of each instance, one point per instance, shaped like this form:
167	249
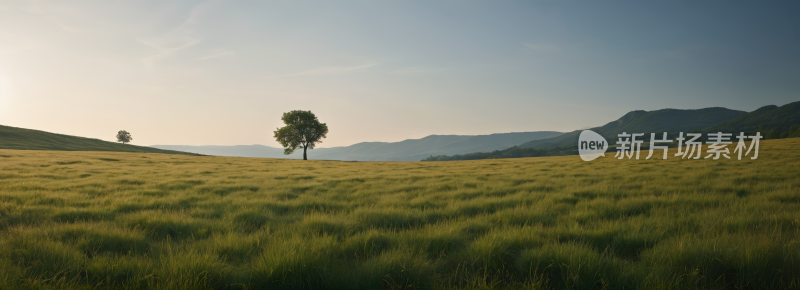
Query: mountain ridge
773	121
771	117
640	121
406	150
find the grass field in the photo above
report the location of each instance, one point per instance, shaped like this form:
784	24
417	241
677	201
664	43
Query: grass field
81	220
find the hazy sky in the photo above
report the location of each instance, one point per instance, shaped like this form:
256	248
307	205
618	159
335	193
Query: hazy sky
223	72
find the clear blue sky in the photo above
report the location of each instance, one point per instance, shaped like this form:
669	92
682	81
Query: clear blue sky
222	72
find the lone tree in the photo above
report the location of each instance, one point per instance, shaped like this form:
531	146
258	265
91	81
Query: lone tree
124	137
302	130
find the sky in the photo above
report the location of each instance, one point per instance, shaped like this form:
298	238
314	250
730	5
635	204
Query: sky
223	72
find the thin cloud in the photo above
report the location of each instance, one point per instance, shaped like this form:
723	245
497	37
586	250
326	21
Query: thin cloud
64	27
165	50
178	38
328	70
417	70
216	55
196	13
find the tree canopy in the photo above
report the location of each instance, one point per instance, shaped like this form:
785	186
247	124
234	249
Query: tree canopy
124	137
302	130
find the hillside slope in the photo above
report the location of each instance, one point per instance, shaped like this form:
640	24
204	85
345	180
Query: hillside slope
27	139
766	118
237	150
665	120
407	150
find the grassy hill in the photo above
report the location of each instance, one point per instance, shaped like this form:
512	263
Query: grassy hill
666	120
27	139
773	121
260	151
99	220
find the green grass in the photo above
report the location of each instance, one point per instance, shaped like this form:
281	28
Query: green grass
101	220
27	139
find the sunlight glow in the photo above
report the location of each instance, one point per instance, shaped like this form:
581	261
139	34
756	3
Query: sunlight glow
3	88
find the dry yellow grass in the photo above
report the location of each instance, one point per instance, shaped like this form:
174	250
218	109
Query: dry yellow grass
129	220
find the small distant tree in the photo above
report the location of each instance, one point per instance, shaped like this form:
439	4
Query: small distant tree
124	137
302	130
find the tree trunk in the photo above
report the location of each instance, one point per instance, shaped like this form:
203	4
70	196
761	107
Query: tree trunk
304	153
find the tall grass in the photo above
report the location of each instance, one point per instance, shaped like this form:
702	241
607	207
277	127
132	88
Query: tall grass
93	220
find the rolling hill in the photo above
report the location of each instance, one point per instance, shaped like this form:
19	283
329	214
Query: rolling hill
237	150
774	122
407	150
27	139
765	119
665	120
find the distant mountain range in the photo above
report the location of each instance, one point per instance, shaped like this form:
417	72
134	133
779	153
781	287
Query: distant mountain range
772	121
665	120
407	150
27	139
766	118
